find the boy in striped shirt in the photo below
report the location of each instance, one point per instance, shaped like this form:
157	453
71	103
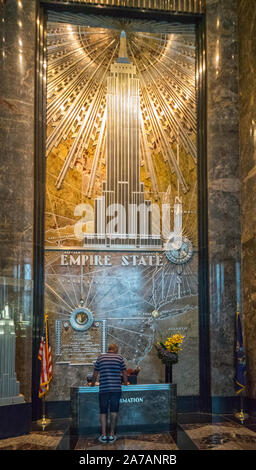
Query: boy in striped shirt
111	367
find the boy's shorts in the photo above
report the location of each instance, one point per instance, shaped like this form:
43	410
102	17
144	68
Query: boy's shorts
111	399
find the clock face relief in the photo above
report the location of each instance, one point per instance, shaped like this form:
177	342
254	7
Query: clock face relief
182	255
81	319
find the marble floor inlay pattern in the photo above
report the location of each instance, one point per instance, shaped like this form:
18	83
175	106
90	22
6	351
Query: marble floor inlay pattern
221	436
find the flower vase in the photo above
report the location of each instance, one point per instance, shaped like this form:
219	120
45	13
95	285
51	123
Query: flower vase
168	373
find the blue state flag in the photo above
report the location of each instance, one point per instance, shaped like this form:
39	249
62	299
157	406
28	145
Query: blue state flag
240	378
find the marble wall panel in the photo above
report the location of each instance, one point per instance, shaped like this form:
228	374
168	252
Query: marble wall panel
17	33
223	187
247	63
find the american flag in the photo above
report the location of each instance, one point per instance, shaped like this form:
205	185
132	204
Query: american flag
45	356
241	369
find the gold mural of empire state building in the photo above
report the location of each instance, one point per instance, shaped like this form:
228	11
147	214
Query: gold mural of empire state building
122	215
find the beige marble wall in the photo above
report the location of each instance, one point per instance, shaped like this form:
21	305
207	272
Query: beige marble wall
247	64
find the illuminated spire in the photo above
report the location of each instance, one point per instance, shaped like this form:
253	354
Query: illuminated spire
123	55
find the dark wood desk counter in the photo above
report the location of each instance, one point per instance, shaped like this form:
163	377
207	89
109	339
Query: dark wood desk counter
143	408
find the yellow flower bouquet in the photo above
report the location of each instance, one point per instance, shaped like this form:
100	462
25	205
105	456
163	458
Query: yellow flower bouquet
168	351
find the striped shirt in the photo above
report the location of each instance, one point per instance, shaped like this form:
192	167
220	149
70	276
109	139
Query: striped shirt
110	365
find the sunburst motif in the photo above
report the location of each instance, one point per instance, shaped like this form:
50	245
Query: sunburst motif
79	60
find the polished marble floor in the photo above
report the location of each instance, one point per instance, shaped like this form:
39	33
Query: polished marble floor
194	432
48	438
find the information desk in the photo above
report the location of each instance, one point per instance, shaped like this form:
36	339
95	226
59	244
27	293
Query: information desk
150	408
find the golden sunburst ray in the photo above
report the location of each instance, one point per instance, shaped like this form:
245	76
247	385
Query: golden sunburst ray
79	58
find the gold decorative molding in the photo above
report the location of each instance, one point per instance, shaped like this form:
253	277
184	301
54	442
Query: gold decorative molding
186	6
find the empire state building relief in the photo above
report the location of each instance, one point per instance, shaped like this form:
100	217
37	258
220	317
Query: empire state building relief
121	135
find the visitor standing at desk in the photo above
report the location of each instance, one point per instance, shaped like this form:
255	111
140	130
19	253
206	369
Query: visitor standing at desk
111	367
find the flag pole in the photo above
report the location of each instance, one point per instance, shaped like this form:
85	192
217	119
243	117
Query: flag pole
43	421
240	380
241	415
44	357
